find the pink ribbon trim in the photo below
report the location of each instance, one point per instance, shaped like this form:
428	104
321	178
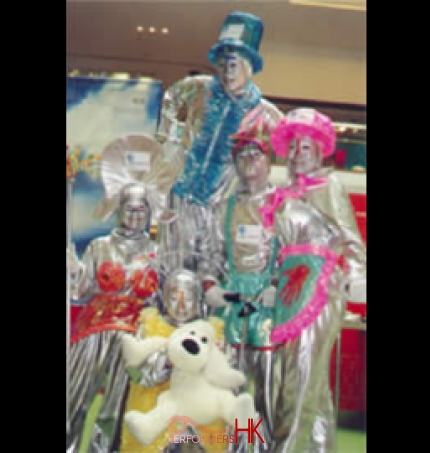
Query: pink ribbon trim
292	328
303	185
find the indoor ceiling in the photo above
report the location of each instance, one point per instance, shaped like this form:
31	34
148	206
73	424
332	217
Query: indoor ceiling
108	29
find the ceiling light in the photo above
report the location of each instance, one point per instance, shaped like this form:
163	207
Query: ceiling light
121	75
165	30
355	5
139	28
341	126
152	29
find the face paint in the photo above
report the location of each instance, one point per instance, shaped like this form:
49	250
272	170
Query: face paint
304	155
134	217
233	71
134	211
182	295
252	167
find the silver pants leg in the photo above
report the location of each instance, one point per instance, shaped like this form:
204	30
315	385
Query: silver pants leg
304	410
291	390
95	364
258	368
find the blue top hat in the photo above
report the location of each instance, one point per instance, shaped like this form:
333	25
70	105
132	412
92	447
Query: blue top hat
241	32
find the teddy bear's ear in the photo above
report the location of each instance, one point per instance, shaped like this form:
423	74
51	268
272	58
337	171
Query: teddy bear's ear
219	372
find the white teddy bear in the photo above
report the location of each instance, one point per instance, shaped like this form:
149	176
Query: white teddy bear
201	383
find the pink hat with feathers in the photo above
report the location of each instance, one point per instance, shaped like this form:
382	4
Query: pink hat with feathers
304	122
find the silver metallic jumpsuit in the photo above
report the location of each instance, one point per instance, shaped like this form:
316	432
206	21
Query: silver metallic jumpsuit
333	201
304	419
112	275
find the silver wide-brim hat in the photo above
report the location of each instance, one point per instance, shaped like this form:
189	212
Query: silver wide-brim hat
135	158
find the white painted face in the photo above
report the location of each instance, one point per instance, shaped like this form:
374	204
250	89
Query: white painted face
252	167
304	155
233	71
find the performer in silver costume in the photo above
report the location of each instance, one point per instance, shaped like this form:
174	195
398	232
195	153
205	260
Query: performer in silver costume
250	248
200	113
305	137
304	418
117	276
182	302
112	272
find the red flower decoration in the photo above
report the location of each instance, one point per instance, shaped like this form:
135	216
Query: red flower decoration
110	276
144	282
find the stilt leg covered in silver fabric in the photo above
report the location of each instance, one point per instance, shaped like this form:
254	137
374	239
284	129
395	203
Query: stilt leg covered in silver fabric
96	364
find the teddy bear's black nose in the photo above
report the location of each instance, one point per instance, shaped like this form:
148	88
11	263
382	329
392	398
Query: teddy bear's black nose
191	346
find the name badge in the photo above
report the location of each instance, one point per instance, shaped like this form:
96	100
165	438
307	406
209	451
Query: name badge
249	234
137	161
